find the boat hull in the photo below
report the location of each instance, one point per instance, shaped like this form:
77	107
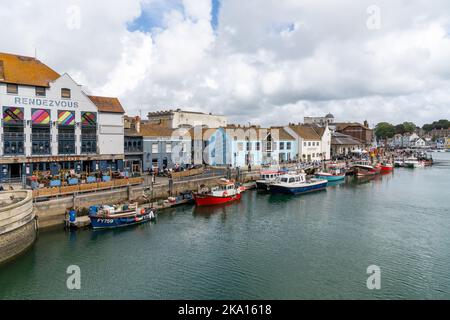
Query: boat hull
209	200
313	187
386	169
113	222
331	178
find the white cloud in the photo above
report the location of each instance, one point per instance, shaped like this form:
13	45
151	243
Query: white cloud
268	61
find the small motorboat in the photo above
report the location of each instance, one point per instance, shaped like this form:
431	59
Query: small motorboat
267	177
105	216
225	192
297	184
334	174
413	162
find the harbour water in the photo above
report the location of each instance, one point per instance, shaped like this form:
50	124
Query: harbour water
315	246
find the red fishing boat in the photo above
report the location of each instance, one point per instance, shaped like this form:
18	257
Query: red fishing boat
387	167
225	192
364	169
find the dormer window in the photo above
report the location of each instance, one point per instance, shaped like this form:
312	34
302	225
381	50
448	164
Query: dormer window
12	88
40	91
65	93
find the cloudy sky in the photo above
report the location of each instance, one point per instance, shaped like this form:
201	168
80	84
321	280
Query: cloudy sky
264	61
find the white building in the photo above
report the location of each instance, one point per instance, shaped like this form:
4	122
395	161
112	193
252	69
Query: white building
187	119
50	123
313	143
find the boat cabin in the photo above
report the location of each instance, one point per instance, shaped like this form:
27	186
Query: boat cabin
292	178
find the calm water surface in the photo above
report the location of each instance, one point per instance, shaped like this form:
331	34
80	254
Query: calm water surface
265	247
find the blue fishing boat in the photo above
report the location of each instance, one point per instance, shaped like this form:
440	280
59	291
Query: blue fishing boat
297	184
103	217
335	174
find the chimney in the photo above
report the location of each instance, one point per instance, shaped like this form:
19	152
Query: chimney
138	124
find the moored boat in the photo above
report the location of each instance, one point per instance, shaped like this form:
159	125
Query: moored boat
297	184
387	167
364	169
267	177
334	174
225	192
103	217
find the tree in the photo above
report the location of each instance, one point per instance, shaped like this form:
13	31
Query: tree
441	124
409	127
384	130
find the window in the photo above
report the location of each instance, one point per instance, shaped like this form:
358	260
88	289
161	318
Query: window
258	146
154	148
304	144
281	145
40	91
65	93
168	147
12	88
249	146
309	144
288	145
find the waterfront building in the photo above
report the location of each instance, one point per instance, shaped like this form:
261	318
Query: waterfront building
320	121
186	119
49	122
359	131
133	144
344	145
165	148
240	146
313	142
447	143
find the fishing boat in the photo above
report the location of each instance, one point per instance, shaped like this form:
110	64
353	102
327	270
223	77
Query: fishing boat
387	167
399	163
364	169
334	174
225	192
413	163
104	216
297	184
267	177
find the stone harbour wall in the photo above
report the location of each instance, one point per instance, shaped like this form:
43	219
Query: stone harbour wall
18	226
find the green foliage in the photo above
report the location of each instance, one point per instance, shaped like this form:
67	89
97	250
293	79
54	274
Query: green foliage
384	130
441	124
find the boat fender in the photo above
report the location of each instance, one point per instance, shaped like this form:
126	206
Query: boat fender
142	211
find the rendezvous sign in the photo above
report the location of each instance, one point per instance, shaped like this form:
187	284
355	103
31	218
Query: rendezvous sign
39	102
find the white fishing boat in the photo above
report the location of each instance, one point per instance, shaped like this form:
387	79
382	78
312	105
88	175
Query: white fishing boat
297	184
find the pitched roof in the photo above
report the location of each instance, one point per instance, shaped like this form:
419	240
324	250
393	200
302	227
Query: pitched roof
151	130
283	134
343	139
107	104
23	70
306	132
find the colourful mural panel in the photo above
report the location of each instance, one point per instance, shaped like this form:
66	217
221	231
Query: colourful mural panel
40	116
66	118
88	119
12	115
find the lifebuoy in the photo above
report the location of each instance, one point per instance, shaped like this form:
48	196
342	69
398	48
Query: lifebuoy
225	193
